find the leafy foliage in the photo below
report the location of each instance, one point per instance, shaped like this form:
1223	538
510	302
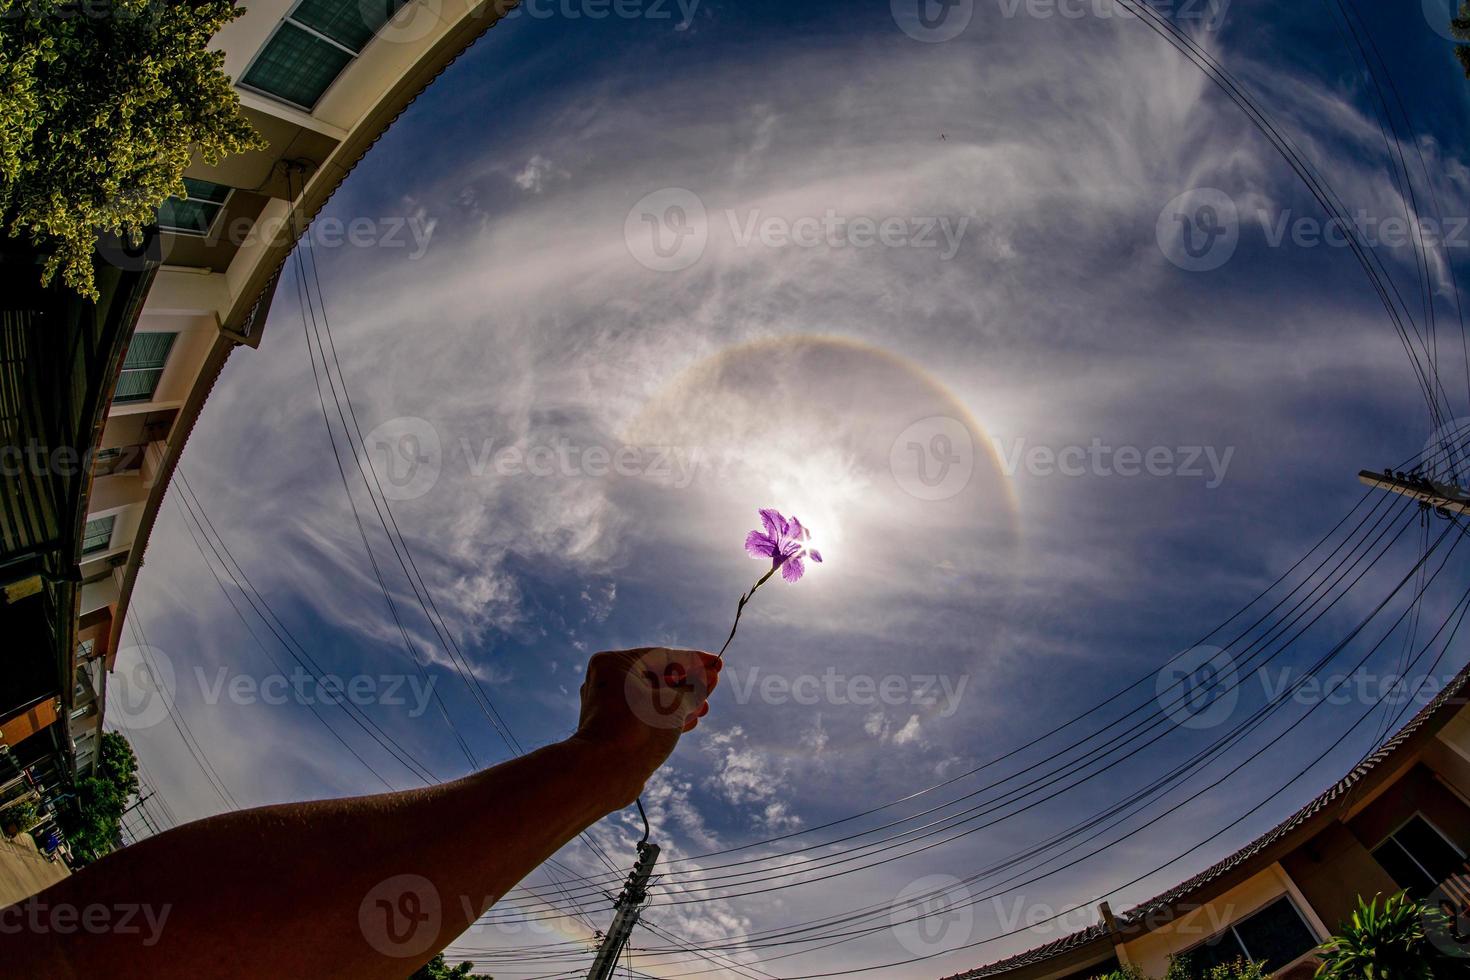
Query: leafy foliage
437	969
1387	943
102	798
102	105
1179	969
1239	970
1460	28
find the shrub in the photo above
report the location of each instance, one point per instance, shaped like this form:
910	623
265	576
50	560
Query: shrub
102	106
1387	943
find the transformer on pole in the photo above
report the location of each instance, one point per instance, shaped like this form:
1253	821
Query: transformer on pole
629	905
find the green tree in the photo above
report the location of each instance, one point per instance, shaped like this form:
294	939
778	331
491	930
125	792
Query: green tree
437	969
1180	969
103	103
1387	943
1460	28
96	828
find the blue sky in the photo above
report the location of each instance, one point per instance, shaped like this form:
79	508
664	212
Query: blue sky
1030	308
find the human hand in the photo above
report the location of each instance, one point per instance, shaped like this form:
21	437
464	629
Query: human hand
639	702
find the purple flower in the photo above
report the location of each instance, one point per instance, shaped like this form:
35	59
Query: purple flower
784	542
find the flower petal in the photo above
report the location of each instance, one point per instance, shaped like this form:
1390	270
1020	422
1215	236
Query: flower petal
776	525
816	555
757	545
792	569
798	532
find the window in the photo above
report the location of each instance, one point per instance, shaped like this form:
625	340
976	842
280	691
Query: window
143	367
1417	857
194	213
312	46
1273	936
98	535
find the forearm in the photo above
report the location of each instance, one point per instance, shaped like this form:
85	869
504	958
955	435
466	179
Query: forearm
365	888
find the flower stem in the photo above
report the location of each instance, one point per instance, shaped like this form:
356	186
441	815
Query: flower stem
741	608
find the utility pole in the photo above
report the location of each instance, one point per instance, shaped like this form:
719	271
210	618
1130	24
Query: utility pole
629	905
137	803
1443	497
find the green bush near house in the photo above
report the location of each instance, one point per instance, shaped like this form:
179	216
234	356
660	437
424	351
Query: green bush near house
437	969
96	829
1460	28
102	105
1384	943
19	816
1179	969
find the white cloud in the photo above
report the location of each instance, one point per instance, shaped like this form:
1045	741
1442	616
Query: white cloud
912	731
537	172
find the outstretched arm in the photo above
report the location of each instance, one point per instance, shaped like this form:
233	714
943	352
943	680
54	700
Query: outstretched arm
366	888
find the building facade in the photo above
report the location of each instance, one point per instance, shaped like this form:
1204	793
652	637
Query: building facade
320	80
1400	821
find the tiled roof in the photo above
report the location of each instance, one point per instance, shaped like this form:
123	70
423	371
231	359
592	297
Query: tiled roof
1155	909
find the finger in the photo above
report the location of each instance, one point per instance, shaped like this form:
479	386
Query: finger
693	721
703	669
712	666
